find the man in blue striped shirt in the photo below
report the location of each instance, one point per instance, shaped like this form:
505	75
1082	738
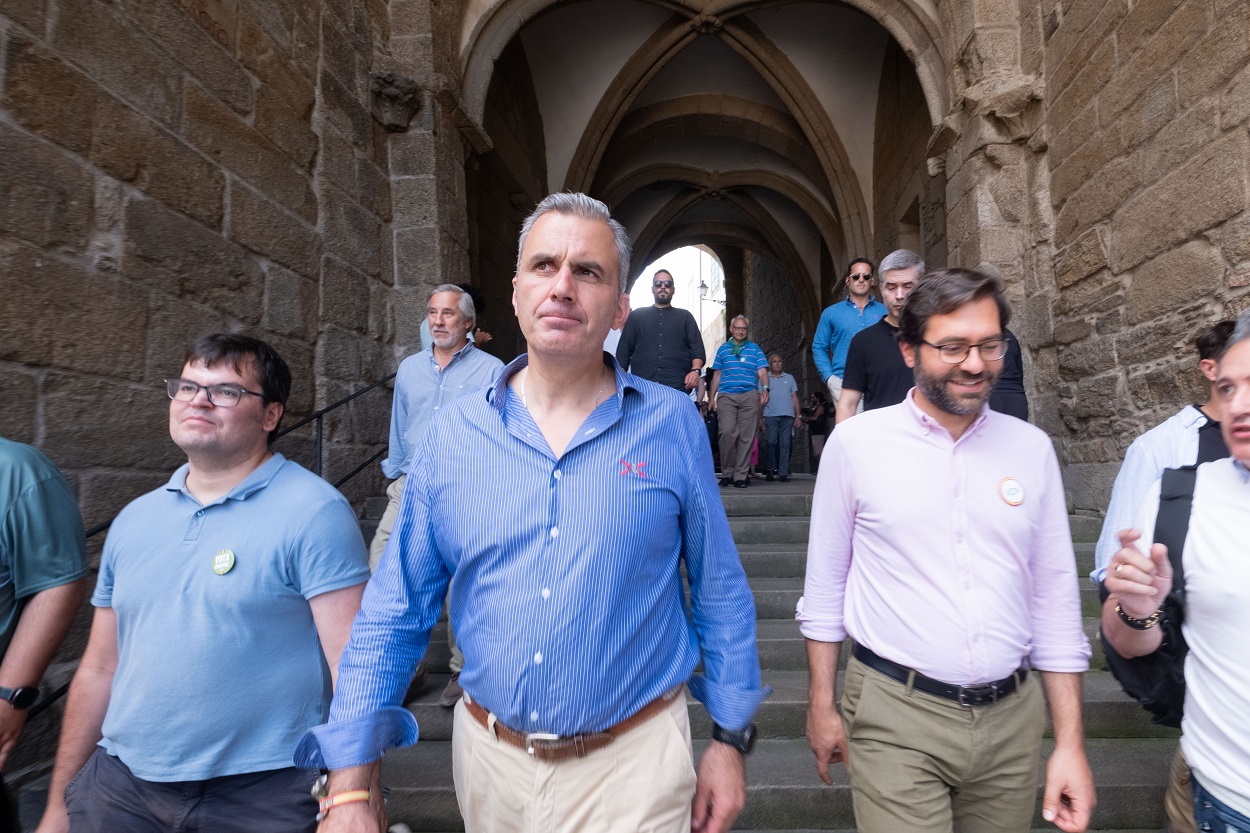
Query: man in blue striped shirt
564	500
738	393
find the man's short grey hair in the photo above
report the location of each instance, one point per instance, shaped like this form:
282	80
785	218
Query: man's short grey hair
902	259
1241	332
741	318
588	208
467	309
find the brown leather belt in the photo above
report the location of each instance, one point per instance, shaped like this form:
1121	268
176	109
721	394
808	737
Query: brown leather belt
545	747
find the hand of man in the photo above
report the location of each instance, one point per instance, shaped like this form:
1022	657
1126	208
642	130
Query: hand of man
826	735
720	789
1069	799
11	722
763	397
692	379
798	421
1141	583
711	403
481	337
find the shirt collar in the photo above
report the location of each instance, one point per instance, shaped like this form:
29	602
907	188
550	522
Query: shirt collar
463	351
928	424
1241	469
1194	416
498	395
251	484
872	299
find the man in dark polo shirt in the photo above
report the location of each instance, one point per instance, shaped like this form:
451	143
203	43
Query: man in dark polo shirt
660	342
876	375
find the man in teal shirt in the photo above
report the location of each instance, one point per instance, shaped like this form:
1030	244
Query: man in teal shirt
840	322
42	569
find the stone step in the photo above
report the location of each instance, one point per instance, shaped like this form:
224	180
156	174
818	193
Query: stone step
769	530
784	793
776	499
773	560
1107	711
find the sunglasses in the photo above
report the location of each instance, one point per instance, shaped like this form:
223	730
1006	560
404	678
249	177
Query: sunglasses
666	284
867	277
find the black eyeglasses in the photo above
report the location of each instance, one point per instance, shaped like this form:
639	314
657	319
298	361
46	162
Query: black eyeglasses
223	396
856	277
666	284
991	350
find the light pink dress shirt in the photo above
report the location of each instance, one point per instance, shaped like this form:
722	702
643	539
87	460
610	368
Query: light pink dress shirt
952	557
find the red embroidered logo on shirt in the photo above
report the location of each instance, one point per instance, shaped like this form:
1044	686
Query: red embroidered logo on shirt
635	468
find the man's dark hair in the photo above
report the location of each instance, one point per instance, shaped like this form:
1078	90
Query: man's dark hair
219	348
871	266
1212	343
941	293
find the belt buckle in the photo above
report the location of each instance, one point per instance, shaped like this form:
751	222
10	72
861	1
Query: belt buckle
976	691
539	736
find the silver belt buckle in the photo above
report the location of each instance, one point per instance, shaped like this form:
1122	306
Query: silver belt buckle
533	736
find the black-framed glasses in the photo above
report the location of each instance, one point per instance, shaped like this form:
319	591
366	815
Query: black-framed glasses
990	350
857	277
224	395
665	284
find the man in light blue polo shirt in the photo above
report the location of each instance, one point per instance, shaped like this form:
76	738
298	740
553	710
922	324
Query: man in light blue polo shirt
840	322
742	386
223	602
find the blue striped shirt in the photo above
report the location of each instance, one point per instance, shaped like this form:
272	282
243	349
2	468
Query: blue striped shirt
568	599
422	388
740	373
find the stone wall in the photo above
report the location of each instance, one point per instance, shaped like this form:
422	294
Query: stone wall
909	210
1147	108
173	167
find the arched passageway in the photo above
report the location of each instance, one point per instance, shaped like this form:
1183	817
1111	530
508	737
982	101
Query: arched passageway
791	136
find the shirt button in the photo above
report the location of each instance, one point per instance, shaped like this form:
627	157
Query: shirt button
546	592
533	715
555	532
538	658
556	474
199	514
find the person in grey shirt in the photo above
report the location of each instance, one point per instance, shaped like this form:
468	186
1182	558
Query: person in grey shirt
781	417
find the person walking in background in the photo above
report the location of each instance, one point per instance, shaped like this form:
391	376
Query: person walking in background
841	321
781	418
738	393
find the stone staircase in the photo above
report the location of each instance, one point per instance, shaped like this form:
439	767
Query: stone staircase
1129	755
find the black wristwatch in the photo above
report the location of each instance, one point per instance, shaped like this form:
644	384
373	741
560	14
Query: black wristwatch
22	697
743	740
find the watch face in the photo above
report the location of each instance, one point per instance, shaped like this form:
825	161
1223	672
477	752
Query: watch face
24	697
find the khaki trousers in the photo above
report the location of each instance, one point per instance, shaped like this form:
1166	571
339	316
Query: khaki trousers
643	782
739	417
378	546
927	765
1179	799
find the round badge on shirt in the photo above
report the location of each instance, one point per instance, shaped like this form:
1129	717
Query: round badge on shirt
223	562
1010	490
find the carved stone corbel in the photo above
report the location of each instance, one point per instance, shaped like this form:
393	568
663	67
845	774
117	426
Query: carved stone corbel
395	99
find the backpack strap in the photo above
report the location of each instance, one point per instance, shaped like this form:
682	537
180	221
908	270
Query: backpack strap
1176	502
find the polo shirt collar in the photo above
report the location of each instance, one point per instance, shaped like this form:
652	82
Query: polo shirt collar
1241	469
251	484
927	424
872	299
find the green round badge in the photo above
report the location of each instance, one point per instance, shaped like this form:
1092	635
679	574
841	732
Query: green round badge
223	562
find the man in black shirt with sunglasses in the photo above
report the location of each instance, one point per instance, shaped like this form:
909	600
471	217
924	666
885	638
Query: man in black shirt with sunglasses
662	343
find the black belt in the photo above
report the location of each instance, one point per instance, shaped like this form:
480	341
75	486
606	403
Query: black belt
964	695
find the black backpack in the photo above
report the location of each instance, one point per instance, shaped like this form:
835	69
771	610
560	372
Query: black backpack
1157	680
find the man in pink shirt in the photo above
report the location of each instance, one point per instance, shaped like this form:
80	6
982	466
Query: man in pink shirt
940	544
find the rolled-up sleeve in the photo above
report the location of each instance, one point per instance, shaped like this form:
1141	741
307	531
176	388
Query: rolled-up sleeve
1058	634
829	546
721	606
389	636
